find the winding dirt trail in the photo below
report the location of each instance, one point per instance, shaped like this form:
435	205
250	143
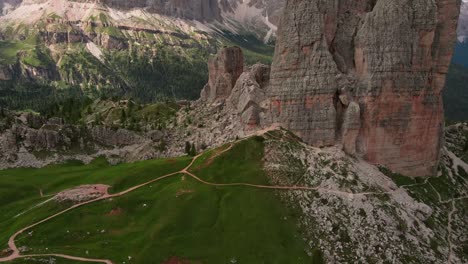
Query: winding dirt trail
68	257
449	232
449	225
452	201
288	188
11	242
16	254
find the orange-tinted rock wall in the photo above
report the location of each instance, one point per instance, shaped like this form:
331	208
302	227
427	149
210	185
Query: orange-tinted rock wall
389	57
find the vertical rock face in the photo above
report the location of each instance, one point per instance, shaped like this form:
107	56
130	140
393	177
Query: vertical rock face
224	70
248	95
6	72
385	59
303	78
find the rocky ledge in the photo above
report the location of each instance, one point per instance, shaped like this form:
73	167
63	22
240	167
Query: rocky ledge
365	75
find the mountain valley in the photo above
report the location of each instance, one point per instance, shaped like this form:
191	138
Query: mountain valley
110	48
229	131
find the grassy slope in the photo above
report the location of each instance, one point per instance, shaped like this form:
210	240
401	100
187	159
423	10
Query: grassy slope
32	54
254	49
8	51
241	164
19	188
156	115
184	218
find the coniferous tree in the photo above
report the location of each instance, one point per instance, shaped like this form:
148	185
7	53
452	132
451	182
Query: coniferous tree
203	146
188	147
130	107
193	150
123	117
132	125
97	119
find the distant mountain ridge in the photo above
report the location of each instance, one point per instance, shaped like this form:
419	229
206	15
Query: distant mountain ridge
236	15
463	22
140	49
65	44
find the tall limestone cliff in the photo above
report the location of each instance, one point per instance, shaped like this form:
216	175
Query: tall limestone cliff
224	70
367	74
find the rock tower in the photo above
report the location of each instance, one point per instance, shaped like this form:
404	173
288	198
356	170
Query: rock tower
367	74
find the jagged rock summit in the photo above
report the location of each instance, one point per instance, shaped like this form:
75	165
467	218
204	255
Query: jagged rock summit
367	75
224	70
242	91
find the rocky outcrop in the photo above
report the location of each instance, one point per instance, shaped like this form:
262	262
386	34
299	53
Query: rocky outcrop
33	73
237	93
109	137
390	57
224	70
456	142
54	37
111	42
7	72
248	95
22	69
352	225
30	140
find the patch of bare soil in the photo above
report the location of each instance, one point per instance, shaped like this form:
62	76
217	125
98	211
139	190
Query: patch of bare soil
175	260
115	212
212	157
82	193
182	192
6	252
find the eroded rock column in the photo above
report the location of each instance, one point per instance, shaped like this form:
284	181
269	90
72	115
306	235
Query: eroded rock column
224	70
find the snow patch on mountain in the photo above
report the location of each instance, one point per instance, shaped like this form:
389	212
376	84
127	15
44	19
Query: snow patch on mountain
463	22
